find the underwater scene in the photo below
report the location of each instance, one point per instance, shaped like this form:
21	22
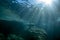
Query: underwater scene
29	19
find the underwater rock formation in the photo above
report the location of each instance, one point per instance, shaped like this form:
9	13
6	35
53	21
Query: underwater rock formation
13	30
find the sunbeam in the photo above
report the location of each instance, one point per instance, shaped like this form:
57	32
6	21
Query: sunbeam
43	14
46	2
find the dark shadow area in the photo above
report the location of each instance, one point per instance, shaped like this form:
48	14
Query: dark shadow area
15	31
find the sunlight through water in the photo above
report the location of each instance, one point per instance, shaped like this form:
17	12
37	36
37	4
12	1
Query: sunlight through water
46	2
